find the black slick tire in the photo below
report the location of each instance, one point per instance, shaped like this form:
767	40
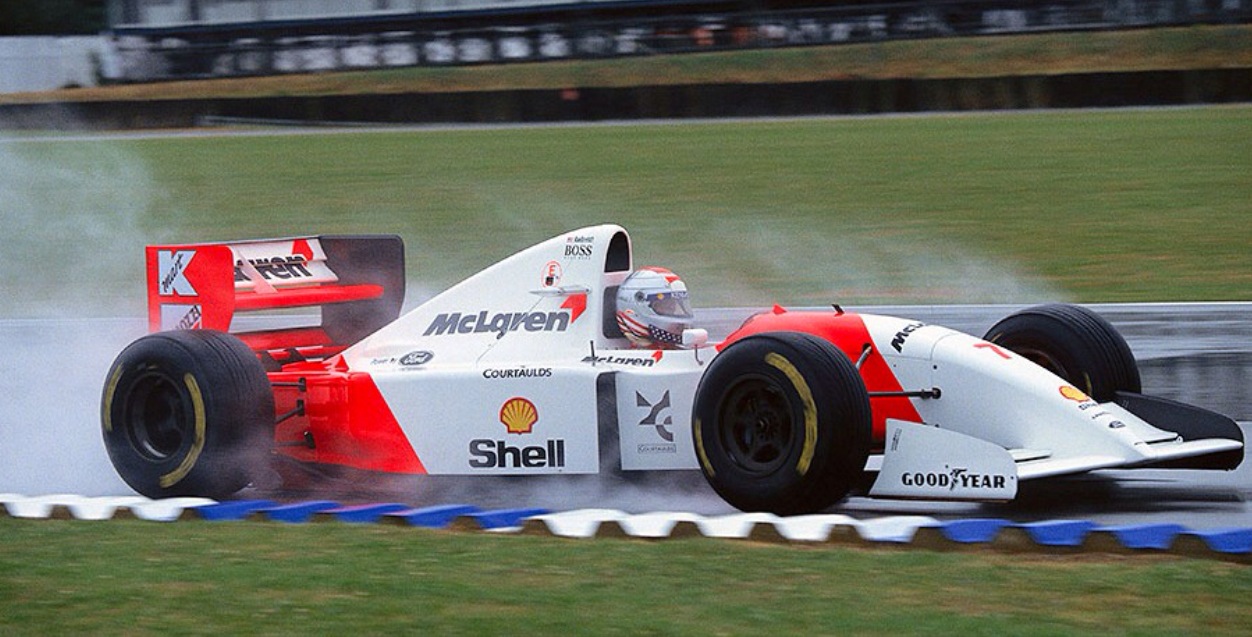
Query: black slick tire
1074	343
782	424
188	413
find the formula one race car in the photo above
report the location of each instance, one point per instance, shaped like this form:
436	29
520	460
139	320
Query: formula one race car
529	367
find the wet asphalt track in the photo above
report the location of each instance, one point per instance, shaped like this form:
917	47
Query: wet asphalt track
53	370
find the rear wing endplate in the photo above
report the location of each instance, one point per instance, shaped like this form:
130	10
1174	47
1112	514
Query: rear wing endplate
356	281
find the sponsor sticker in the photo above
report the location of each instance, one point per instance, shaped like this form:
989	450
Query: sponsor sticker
280	264
519	416
292	267
953	478
518	372
176	316
1073	393
499	454
551	275
579	247
172	266
1086	403
413	359
657	416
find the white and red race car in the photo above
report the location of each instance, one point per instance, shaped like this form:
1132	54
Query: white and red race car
522	369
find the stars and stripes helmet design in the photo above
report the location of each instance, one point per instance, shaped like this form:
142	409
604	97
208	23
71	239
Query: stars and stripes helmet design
652	308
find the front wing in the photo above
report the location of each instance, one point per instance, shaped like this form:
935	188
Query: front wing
925	462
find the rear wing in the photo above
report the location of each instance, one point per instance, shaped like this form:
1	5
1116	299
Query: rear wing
356	281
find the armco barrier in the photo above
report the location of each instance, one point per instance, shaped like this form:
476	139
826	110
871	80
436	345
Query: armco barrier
851	96
1059	536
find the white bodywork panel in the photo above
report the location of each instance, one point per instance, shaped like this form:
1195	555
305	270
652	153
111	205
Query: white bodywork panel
509	372
991	395
931	463
532	327
473	421
654	412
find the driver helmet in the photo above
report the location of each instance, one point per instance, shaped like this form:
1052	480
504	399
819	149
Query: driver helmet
652	308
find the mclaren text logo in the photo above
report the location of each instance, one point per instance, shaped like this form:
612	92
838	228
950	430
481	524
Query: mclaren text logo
500	323
954	479
629	361
903	335
173	270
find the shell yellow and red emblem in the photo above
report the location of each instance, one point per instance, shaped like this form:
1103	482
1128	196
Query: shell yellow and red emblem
518	415
1074	394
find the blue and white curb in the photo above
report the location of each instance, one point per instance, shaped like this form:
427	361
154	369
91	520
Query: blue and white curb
84	508
1064	536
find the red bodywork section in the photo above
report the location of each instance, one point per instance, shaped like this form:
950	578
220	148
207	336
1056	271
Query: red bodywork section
848	333
339	417
325	413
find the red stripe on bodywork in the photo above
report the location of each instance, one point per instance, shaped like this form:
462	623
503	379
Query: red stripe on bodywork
848	333
348	419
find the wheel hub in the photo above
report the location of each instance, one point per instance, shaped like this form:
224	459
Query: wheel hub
155	417
758	426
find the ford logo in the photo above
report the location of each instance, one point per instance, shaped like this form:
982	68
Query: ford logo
416	358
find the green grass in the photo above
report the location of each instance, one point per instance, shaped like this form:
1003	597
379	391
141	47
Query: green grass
229	578
1083	206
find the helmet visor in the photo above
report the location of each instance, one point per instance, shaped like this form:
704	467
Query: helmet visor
670	304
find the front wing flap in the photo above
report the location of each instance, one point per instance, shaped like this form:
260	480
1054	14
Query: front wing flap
928	463
925	462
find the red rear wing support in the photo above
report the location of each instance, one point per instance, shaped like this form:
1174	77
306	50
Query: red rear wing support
356	281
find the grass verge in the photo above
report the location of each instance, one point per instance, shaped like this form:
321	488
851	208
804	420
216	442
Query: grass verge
198	578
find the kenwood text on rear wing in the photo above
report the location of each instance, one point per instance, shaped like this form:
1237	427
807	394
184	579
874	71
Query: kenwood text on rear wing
357	283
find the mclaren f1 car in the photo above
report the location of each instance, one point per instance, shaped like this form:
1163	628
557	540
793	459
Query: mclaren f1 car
524	369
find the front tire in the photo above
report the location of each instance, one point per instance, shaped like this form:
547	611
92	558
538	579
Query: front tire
188	413
1074	343
782	424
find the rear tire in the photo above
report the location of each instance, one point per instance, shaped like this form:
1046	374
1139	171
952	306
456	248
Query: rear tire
1074	343
782	424
188	413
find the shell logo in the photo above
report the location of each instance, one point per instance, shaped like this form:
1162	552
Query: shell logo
518	415
1074	394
